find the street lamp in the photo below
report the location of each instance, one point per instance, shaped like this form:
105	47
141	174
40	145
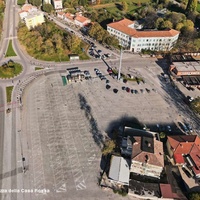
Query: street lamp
120	61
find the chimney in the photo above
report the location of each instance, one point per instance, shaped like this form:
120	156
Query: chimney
149	144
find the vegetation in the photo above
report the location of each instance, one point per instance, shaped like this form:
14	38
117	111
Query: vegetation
47	8
21	2
9	93
36	3
108	147
194	196
38	68
50	43
10	50
10	69
195	105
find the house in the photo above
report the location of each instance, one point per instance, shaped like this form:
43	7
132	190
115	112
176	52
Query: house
147	156
46	2
29	8
31	16
69	18
57	4
34	19
81	21
61	15
185	150
119	170
133	38
23	14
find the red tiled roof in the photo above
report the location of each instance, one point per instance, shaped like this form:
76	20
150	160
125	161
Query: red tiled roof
186	145
122	26
179	158
60	13
81	18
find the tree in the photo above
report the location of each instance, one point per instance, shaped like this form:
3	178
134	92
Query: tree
108	147
47	8
176	18
191	6
124	6
21	2
179	26
36	3
194	196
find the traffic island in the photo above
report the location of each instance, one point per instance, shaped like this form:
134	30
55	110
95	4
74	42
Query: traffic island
10	69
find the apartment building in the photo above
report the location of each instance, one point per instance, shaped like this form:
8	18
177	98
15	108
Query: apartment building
132	37
34	19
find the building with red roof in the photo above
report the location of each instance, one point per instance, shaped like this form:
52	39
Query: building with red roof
185	150
133	38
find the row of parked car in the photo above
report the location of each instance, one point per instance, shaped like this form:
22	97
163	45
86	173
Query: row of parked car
134	91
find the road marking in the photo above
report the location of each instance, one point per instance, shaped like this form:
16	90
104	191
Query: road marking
62	188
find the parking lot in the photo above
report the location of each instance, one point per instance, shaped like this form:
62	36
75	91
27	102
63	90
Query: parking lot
65	127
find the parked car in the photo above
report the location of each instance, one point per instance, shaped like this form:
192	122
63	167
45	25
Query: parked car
154	90
108	87
189	127
115	90
169	128
128	89
141	90
110	71
123	88
136	92
107	81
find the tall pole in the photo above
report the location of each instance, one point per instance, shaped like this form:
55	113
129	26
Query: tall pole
120	64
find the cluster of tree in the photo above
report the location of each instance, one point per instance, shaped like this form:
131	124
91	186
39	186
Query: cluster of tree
36	3
48	41
101	35
194	196
47	7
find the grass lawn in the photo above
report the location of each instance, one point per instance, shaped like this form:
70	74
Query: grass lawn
10	71
9	93
10	50
38	68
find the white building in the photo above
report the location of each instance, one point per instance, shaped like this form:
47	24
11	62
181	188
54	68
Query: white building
46	2
132	38
57	4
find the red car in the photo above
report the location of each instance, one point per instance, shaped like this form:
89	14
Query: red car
128	89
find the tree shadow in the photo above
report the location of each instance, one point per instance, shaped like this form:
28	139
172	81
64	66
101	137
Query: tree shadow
94	129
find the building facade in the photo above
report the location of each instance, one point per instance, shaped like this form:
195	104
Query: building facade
34	19
57	4
133	38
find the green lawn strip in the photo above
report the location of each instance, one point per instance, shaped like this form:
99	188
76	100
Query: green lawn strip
38	68
9	93
10	50
10	71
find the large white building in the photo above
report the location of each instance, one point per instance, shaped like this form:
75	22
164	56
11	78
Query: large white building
133	38
57	4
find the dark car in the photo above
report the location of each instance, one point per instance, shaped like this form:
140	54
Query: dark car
108	87
189	127
136	92
110	71
123	88
107	81
141	90
132	91
128	89
99	51
115	90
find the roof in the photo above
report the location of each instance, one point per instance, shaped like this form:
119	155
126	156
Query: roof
166	191
28	7
81	18
60	13
119	170
124	26
153	157
186	145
